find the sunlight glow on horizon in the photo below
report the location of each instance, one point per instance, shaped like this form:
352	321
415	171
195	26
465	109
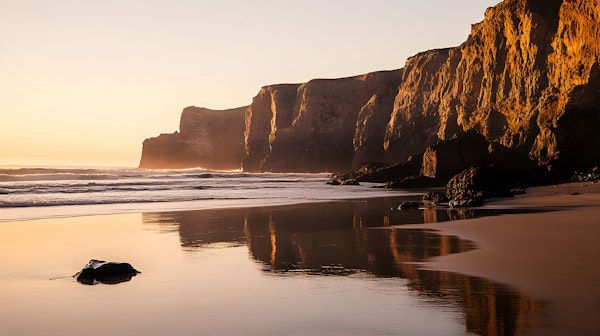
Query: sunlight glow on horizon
86	82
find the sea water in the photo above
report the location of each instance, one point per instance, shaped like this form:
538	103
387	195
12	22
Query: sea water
29	192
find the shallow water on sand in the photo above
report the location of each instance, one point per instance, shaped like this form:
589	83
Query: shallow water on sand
336	268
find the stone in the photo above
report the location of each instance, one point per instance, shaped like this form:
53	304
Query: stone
586	176
466	200
435	197
471	186
449	157
413	182
408	205
350	182
381	173
107	272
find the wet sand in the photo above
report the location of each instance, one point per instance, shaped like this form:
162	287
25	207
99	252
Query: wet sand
332	268
552	256
327	268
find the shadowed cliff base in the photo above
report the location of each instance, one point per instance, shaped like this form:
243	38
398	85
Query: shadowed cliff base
526	81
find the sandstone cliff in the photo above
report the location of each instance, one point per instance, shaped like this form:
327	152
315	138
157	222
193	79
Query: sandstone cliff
527	79
211	139
309	127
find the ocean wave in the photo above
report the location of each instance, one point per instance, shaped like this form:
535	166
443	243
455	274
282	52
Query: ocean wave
47	203
32	187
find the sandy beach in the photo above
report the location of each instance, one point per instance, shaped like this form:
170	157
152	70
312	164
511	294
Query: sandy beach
528	265
304	269
551	256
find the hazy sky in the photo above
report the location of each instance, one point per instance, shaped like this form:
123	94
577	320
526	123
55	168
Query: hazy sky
84	82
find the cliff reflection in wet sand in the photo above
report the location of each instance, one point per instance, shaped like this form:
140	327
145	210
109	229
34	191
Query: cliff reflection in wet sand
342	238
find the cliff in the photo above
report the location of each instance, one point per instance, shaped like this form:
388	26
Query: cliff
211	139
309	127
527	79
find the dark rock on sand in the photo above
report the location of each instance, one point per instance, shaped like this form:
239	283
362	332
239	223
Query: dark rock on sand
449	157
472	185
106	272
586	176
414	182
435	197
408	205
350	182
382	173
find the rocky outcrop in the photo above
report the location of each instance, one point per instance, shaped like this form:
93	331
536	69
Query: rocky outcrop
471	186
380	173
370	129
309	127
449	157
211	139
527	80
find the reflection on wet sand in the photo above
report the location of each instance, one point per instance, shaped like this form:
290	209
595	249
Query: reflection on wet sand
341	238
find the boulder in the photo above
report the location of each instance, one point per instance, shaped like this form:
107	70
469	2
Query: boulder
449	157
435	197
413	182
333	182
408	205
472	185
106	272
381	172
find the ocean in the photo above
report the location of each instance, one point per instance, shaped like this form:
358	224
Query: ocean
32	193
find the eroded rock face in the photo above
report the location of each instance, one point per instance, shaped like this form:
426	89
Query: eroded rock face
469	187
370	129
449	157
211	139
309	127
527	80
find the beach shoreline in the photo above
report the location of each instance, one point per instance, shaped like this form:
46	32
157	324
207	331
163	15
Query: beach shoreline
552	256
318	268
546	253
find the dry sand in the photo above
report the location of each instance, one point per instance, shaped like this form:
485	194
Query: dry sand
551	256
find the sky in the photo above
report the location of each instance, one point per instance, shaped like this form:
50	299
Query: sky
84	82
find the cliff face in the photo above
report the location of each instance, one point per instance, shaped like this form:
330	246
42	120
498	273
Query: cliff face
527	79
309	127
211	139
570	105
